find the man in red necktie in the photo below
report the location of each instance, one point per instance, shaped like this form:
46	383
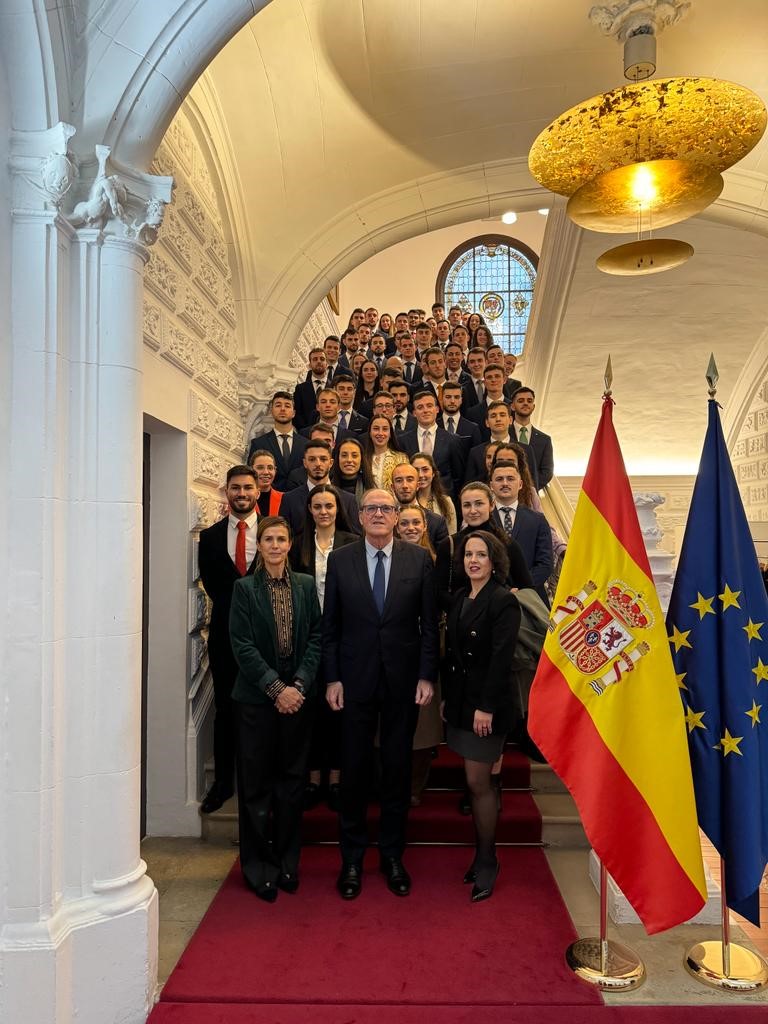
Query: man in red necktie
227	551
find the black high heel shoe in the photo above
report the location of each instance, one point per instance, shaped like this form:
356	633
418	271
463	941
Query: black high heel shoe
470	874
483	890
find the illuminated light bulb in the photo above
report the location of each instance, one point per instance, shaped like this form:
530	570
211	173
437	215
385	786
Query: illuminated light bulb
509	217
643	186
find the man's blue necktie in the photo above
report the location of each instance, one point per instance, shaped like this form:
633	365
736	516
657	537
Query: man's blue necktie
379	588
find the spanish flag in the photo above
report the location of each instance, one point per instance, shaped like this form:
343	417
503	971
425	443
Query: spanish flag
605	706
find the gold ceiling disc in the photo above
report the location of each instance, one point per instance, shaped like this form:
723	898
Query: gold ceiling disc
644	195
649	256
700	120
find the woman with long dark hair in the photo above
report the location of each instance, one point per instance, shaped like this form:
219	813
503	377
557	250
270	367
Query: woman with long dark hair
274	626
368	383
479	709
431	493
350	471
382	451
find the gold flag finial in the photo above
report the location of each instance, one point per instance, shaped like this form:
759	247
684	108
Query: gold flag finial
608	378
712	375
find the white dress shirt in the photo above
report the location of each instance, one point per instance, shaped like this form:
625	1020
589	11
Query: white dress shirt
432	431
321	568
250	536
512	506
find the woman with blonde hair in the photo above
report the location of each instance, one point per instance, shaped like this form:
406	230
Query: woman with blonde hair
382	451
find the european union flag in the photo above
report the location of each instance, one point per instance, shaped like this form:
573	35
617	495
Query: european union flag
718	628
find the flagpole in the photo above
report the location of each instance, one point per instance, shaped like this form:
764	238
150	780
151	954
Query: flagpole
725	965
608	965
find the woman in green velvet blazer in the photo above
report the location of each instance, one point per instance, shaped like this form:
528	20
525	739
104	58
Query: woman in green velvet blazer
274	626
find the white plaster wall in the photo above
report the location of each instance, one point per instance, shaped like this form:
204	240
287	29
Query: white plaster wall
191	411
403	276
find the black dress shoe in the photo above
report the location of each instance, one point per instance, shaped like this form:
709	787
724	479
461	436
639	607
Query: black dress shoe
267	891
334	799
214	798
398	879
350	881
483	887
465	803
288	882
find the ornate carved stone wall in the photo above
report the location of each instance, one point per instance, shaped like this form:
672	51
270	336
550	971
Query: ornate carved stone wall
189	325
322	323
750	458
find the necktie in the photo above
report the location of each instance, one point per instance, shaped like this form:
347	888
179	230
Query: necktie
479	390
379	361
343	418
240	563
522	435
409	373
285	446
318	385
379	582
507	521
426	442
451	428
398	422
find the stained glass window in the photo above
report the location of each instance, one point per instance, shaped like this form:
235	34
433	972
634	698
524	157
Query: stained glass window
492	275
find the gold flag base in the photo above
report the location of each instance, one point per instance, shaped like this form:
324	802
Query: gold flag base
747	971
609	965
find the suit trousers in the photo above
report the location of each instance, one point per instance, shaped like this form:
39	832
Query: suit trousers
224	672
396	721
272	753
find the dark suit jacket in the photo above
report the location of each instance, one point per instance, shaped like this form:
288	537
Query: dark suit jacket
340	539
511	384
269	443
464	428
479	647
410	424
532	533
361	648
254	639
542	461
293	508
417	376
448	455
305	404
475	469
219	575
357	423
437	528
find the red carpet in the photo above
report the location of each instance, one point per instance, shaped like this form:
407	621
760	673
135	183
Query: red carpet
274	1013
433	948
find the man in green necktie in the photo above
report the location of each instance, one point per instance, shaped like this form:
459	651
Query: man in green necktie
541	460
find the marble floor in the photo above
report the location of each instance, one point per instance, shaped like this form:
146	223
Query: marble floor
188	873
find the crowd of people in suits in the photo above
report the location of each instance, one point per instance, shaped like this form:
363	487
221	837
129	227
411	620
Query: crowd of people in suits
391	511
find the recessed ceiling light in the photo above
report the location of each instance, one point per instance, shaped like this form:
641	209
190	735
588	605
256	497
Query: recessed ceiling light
509	217
543	211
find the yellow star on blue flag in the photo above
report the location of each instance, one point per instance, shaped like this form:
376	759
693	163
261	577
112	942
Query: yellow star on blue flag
720	648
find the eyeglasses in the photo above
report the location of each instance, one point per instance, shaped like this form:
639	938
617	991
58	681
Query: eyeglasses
371	510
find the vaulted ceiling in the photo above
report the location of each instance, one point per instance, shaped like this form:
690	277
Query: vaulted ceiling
353	124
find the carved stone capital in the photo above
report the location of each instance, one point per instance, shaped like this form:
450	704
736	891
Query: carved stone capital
43	167
123	202
624	19
258	380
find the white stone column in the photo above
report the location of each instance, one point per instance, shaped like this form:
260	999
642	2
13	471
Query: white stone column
79	914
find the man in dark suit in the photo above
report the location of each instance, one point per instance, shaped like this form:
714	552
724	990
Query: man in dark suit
318	460
529	528
511	384
493	382
402	421
451	420
476	469
405	484
447	451
406	347
328	412
305	394
227	551
283	441
380	657
541	460
344	385
454	363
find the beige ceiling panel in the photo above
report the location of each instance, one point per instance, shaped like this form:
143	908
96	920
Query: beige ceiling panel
336	241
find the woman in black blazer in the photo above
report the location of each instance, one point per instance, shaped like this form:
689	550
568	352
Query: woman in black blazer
325	530
479	707
274	625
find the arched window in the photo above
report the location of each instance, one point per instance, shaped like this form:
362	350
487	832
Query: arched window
492	275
